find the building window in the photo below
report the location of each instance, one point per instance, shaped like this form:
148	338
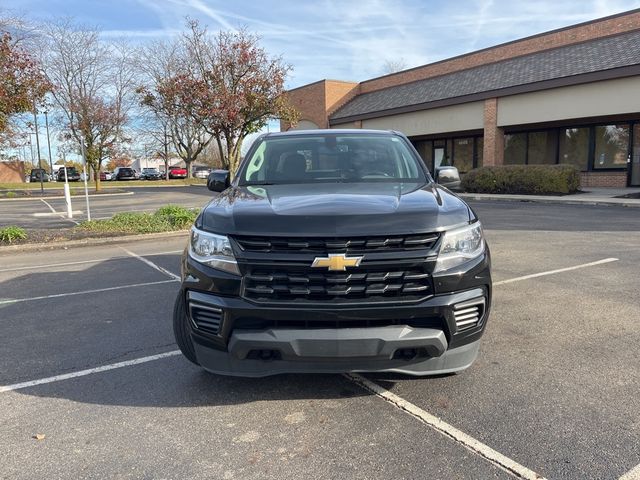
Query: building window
425	150
515	149
479	151
463	154
611	146
542	147
574	147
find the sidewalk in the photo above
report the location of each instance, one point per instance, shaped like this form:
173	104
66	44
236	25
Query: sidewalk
591	196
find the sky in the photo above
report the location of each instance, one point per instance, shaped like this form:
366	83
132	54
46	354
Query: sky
336	39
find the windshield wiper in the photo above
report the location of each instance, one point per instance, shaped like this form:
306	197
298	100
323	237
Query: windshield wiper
252	184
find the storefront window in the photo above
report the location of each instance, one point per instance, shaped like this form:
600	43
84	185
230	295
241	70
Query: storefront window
574	147
612	146
463	154
425	150
515	149
542	147
479	150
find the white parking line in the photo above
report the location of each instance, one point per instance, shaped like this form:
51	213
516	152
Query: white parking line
80	262
633	474
152	265
89	371
60	214
559	270
439	425
97	290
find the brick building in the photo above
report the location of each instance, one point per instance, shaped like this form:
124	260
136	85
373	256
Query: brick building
570	95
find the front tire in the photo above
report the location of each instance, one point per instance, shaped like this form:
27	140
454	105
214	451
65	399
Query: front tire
181	329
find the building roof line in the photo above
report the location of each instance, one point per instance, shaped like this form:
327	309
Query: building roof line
579	79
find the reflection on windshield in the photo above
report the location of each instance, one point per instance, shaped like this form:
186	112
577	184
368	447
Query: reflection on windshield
323	158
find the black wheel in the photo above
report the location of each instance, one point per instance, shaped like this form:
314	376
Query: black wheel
181	329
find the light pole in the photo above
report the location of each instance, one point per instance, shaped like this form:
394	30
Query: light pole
46	120
35	121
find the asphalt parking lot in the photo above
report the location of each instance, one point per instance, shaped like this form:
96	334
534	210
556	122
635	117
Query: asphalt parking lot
50	212
88	360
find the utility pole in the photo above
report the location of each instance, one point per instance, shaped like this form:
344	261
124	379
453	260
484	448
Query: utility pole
166	153
35	121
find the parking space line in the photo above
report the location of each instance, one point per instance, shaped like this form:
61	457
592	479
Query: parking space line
80	262
60	214
89	371
439	425
559	270
97	290
633	474
151	264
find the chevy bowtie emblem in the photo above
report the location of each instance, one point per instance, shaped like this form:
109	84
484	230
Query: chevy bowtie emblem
336	261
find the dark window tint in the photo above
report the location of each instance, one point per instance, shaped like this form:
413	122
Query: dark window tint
542	147
612	145
463	154
574	147
515	149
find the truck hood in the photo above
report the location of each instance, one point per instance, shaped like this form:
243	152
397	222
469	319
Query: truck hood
333	209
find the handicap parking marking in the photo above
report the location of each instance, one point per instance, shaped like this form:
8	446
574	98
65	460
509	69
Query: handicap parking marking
559	270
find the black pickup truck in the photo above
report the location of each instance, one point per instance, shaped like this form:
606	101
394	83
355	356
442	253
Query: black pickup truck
333	251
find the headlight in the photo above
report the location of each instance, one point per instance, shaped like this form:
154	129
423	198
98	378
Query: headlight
460	245
213	250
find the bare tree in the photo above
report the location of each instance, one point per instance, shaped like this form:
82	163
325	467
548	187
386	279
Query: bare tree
162	62
93	84
393	66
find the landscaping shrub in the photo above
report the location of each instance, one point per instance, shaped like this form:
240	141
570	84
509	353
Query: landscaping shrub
12	233
523	179
165	219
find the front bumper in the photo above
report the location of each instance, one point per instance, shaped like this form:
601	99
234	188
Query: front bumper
418	338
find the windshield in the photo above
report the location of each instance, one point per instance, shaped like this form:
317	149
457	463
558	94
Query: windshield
331	158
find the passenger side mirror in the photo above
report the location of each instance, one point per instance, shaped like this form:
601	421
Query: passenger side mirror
448	177
218	180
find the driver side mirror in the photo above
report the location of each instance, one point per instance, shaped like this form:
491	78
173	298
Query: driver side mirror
218	180
448	177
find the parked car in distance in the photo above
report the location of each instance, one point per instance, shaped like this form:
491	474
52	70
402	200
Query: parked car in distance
150	174
105	176
37	174
72	174
201	172
177	172
124	173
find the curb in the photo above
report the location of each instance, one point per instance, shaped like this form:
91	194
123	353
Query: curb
62	196
87	242
556	201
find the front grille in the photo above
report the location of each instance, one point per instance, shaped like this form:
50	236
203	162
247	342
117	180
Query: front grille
304	283
468	314
337	245
262	324
205	317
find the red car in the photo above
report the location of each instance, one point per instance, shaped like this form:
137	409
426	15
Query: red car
177	172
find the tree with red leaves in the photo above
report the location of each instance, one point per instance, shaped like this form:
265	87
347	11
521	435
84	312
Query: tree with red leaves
231	87
22	83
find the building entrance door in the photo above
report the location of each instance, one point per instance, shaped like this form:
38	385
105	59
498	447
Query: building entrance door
634	166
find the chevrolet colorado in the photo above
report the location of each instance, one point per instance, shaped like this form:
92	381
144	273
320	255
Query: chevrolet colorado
333	251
